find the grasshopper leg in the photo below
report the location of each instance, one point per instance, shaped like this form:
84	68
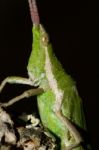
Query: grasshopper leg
25	94
70	126
15	80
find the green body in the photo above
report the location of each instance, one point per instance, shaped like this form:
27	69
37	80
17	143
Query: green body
51	75
59	104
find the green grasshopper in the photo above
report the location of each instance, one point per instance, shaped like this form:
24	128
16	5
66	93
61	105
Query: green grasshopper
59	104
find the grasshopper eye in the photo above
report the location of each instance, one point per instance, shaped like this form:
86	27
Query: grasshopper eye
45	39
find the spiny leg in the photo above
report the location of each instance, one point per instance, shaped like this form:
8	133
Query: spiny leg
25	94
16	80
69	125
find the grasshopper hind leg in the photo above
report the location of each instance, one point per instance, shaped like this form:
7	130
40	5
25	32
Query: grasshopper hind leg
70	147
71	128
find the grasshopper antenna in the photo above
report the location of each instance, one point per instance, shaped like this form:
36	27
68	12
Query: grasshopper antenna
34	12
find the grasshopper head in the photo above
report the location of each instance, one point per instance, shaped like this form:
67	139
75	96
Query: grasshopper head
36	65
44	37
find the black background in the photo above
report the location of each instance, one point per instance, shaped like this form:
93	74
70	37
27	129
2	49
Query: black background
74	33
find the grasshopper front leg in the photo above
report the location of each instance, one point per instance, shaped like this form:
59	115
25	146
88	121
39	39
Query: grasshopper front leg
25	94
18	80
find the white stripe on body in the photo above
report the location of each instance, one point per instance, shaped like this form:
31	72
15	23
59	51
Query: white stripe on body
52	81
